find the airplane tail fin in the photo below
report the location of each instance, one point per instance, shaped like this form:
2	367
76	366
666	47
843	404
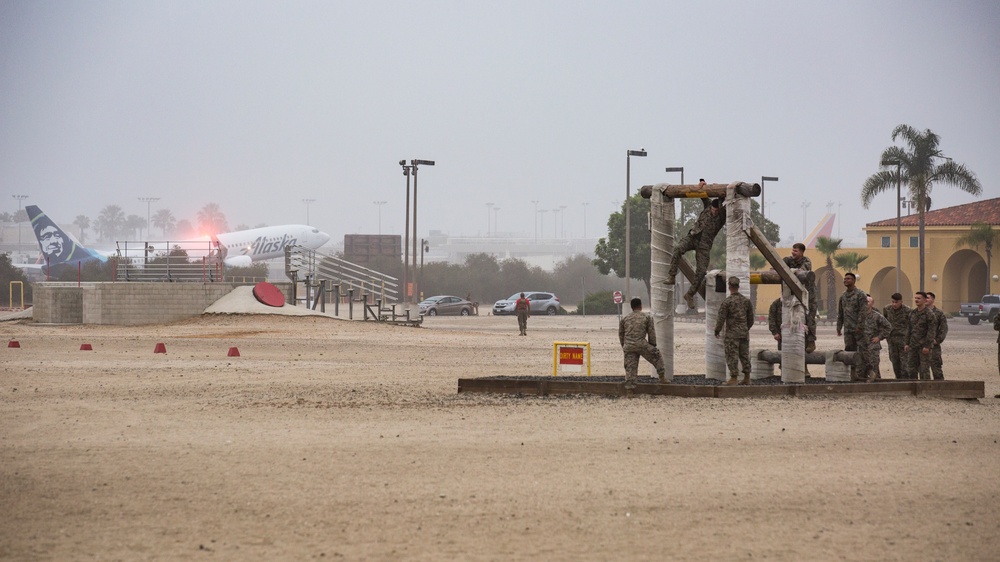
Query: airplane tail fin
57	246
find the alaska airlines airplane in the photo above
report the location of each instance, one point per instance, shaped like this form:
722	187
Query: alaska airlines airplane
239	249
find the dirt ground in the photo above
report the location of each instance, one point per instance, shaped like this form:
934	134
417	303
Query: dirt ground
335	440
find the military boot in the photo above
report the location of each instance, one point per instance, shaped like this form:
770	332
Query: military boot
746	380
731	381
670	279
689	299
810	346
663	378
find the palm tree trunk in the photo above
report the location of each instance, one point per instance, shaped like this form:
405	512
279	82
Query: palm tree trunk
831	292
920	207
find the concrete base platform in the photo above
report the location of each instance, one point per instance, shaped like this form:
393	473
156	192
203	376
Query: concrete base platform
563	385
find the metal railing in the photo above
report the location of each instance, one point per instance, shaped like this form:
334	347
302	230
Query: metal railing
184	260
302	264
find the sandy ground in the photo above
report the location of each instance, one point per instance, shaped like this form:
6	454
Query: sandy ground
335	440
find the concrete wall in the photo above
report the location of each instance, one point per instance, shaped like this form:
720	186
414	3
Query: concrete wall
124	304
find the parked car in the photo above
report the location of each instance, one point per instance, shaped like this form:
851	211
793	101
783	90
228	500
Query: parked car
983	310
541	302
445	305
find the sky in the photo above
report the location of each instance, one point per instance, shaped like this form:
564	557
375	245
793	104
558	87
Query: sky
257	106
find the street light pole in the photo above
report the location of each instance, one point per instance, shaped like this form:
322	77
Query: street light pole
762	180
148	201
307	202
406	238
584	205
496	211
628	217
19	199
414	164
379	205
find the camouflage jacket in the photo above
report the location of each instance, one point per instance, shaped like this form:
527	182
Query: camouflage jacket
923	329
634	328
801	263
774	317
704	220
736	313
900	321
852	304
874	324
942	325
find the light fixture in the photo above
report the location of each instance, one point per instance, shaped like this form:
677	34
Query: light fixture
934	277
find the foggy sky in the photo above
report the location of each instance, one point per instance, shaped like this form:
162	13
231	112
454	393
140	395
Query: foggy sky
258	105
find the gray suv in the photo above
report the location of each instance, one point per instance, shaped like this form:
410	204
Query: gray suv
541	302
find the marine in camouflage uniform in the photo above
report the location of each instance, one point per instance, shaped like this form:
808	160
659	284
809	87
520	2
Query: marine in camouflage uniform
703	252
736	314
996	326
941	328
638	338
874	329
774	321
899	318
852	304
523	309
920	337
798	261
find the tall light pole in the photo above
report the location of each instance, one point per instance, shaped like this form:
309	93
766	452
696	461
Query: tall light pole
541	220
536	220
676	169
308	202
19	199
584	205
406	237
555	224
415	164
899	199
628	217
562	221
379	205
148	201
489	206
762	180
805	205
496	211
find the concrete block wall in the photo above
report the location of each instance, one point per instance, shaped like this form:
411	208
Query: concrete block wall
60	305
124	304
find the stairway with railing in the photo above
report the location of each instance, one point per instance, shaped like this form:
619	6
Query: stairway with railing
302	264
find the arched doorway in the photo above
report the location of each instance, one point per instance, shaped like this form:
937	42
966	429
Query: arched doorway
884	285
823	288
962	280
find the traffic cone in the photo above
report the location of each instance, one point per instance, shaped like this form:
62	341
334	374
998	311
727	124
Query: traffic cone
233	352
160	348
14	343
86	347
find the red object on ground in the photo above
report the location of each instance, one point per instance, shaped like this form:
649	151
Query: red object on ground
268	294
86	347
13	343
233	352
160	348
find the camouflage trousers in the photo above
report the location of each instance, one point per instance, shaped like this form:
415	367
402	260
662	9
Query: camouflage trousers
701	257
649	353
811	313
998	357
867	360
918	364
898	358
851	344
686	244
522	322
737	351
937	362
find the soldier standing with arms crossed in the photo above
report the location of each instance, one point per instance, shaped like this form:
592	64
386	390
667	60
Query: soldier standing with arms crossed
736	313
920	338
941	329
898	314
798	260
874	329
852	304
638	338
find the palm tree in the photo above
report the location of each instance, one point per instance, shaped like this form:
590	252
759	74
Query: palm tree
164	220
110	221
918	169
828	247
135	224
849	261
981	233
211	219
84	223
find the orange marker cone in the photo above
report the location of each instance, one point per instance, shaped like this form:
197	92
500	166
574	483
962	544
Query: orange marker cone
13	343
233	352
160	348
86	347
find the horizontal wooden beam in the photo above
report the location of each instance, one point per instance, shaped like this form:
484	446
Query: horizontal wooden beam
699	191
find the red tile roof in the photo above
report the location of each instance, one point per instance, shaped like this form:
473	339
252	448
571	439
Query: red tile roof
986	211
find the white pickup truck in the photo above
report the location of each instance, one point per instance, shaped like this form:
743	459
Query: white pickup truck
984	310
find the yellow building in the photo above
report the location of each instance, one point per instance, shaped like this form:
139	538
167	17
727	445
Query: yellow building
956	274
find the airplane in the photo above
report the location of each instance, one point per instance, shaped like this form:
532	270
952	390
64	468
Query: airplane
239	248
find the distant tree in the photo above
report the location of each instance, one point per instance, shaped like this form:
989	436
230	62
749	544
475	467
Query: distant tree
264	225
6	217
211	220
164	220
135	224
600	302
20	216
9	273
83	223
611	250
185	230
849	261
242	226
917	167
981	233
828	247
110	222
252	273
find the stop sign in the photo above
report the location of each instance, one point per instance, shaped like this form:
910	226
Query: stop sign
618	297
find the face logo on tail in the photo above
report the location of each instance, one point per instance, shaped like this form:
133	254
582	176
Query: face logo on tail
57	247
